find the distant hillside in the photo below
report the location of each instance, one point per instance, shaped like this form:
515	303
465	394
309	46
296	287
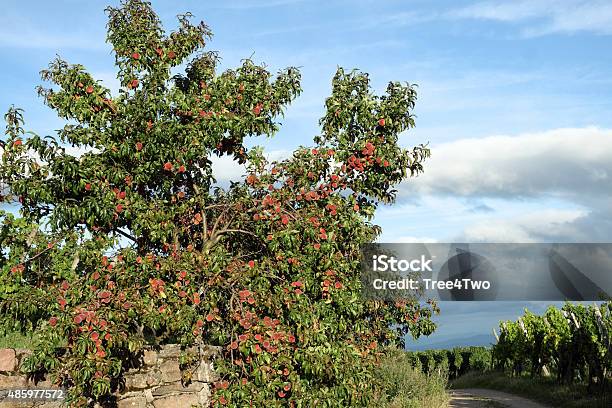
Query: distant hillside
477	340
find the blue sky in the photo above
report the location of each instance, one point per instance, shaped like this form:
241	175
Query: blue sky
514	98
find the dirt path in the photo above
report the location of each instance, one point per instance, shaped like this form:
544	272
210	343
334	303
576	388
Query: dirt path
481	398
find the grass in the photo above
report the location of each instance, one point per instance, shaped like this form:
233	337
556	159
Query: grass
16	340
405	387
542	390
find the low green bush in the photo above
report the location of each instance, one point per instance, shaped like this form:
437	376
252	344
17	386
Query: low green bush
453	363
404	386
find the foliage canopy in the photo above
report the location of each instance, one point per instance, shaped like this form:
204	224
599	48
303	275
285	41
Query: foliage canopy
132	243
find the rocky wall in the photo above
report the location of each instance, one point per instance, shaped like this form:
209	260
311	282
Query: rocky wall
157	382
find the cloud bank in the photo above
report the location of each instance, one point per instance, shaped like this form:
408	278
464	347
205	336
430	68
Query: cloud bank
545	16
551	186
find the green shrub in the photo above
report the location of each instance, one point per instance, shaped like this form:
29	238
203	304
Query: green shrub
454	362
406	387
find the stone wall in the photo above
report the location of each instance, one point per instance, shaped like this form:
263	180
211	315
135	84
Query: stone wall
157	382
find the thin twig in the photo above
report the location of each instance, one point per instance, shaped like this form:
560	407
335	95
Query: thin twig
125	234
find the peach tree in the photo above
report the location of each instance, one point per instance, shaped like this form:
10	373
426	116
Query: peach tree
118	238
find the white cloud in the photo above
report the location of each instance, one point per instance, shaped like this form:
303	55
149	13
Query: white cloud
225	169
406	239
255	4
550	186
545	16
564	162
506	11
532	227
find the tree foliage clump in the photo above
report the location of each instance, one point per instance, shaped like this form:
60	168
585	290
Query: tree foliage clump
572	343
132	244
453	362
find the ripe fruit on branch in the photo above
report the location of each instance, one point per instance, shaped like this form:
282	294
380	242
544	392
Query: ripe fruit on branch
168	166
136	55
138	146
171	54
89	89
368	150
381	122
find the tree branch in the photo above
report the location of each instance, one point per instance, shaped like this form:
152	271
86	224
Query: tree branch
125	234
237	230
